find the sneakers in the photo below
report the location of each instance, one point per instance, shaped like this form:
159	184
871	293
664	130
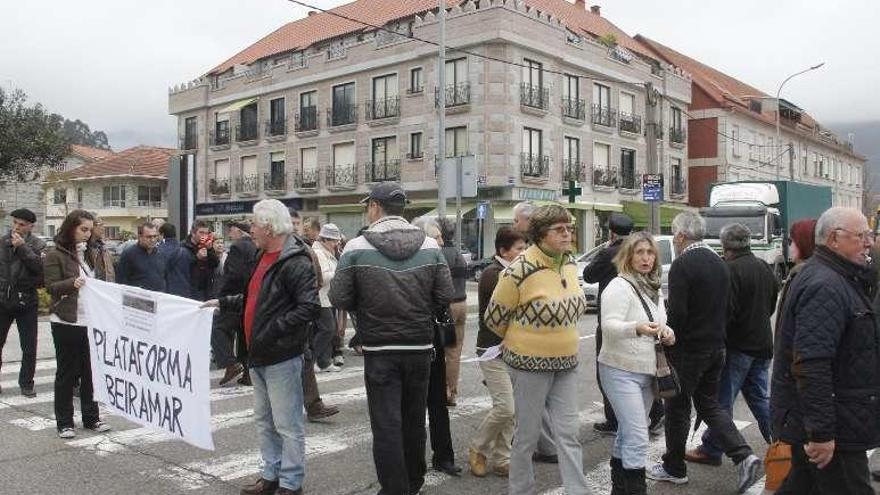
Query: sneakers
28	392
748	471
339	361
66	433
332	368
99	427
658	473
477	462
605	428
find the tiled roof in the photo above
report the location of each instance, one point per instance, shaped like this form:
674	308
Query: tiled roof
144	161
320	26
89	152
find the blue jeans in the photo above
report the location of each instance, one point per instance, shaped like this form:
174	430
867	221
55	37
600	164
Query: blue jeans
278	411
749	375
631	396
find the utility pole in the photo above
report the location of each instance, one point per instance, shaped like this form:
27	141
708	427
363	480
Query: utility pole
791	160
441	109
651	98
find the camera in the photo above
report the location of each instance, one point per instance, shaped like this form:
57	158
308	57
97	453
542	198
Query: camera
206	241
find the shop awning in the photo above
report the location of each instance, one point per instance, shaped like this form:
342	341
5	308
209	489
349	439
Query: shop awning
239	105
639	212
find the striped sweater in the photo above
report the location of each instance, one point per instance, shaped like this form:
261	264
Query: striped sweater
535	308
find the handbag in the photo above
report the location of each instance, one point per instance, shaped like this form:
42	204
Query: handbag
777	464
444	327
668	384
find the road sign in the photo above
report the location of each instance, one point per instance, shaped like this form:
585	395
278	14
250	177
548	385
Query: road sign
652	187
482	210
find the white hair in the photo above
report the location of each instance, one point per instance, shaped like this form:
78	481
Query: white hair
690	225
429	225
525	208
273	214
833	219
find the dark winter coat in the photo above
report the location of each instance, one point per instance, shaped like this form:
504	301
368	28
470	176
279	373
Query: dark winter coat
287	302
61	268
21	268
488	280
392	278
143	269
753	289
458	271
699	292
826	373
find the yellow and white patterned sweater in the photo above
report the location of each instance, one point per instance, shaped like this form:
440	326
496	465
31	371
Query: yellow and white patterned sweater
535	308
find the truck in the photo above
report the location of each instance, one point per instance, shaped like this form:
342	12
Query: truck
768	209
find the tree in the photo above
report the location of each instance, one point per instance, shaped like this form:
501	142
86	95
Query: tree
78	132
30	137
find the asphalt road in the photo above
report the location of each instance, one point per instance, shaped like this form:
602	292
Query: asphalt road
339	461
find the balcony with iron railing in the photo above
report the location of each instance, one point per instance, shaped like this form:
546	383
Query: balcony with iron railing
532	96
247	185
341	115
189	142
629	179
306	180
677	135
386	171
384	108
630	123
574	109
341	177
276	128
220	137
533	167
145	203
275	182
246	132
455	94
306	120
573	170
218	187
605	177
677	186
604	116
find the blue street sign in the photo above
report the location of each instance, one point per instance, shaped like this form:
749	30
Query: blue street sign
652	187
482	210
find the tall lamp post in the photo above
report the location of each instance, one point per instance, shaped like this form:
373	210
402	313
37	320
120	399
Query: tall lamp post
778	116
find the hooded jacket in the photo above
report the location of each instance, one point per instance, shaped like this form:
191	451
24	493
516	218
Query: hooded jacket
21	268
393	278
287	302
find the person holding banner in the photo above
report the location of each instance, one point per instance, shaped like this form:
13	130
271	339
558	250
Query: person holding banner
66	269
284	289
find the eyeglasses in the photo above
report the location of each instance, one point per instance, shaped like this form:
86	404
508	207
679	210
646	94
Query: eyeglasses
563	229
862	236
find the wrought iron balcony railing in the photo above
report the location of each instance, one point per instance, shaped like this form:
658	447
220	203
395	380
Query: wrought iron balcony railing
341	176
246	132
677	135
382	171
574	109
534	166
220	136
573	170
629	180
534	96
275	181
606	116
456	94
384	108
306	119
276	127
218	187
305	179
605	177
248	184
630	123
340	115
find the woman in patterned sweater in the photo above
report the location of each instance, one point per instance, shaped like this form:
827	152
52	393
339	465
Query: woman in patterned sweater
535	309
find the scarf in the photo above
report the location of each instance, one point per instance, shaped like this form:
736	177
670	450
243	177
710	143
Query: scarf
649	284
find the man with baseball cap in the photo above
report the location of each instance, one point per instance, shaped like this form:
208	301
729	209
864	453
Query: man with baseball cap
392	278
21	272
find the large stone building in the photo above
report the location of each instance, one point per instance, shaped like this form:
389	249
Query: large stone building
732	129
538	92
125	189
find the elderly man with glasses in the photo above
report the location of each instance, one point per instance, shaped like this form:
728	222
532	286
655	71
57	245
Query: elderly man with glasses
142	265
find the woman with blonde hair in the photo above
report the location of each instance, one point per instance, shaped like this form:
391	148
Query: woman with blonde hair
633	321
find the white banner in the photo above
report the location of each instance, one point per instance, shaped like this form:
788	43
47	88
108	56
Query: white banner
150	358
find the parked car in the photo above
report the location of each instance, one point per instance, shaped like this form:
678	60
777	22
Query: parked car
476	267
49	240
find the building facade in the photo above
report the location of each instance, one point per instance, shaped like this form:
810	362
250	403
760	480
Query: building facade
539	95
733	137
125	189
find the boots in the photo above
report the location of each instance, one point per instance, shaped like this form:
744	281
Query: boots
617	481
634	481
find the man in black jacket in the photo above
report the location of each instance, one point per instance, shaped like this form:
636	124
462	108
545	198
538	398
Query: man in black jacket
825	398
753	289
199	256
21	272
227	327
699	289
393	278
283	287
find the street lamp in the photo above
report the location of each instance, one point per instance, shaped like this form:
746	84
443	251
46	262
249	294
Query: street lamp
778	116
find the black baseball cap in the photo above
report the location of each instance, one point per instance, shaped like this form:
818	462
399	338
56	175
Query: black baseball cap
387	192
24	214
620	224
242	225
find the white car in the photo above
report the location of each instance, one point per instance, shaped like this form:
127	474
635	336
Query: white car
591	291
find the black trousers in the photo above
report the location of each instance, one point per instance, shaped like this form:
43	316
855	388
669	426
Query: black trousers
223	340
72	354
699	373
397	394
847	474
25	318
438	413
657	409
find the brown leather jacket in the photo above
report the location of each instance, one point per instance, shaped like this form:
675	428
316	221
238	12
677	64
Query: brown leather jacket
61	269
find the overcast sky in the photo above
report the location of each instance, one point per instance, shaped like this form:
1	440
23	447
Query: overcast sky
110	62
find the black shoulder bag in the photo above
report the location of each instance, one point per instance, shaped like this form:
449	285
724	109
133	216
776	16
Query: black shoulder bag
668	385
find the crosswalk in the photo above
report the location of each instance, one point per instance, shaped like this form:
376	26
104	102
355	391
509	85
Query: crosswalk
233	415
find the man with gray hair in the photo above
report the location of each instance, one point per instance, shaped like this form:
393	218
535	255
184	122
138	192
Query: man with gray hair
753	289
699	292
521	214
282	285
826	371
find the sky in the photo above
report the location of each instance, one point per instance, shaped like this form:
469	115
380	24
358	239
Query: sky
110	62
